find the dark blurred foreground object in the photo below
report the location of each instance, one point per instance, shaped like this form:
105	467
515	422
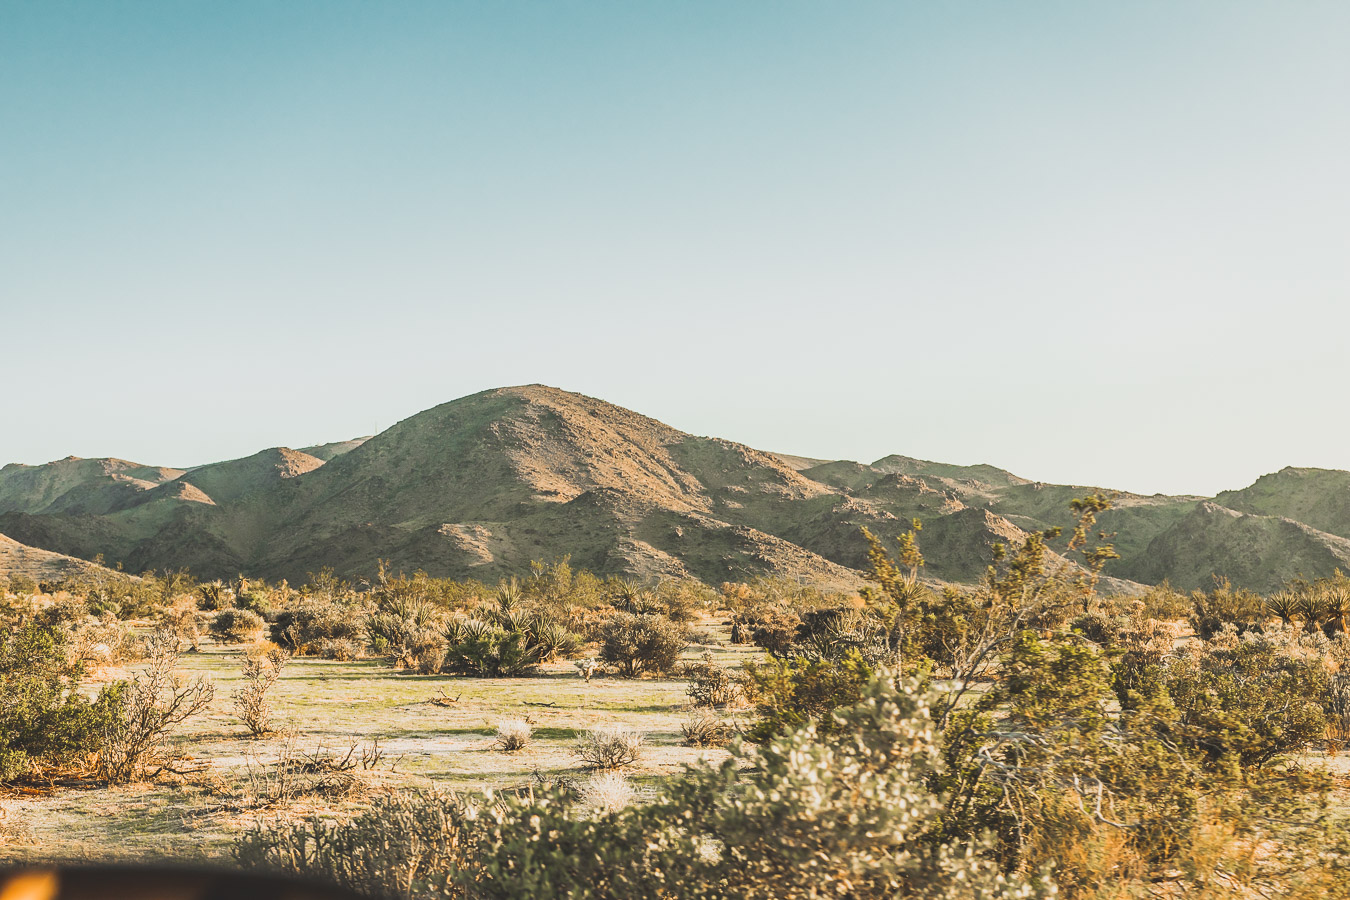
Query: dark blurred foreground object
163	882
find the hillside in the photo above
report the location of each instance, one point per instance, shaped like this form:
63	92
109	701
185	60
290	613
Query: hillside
485	484
43	565
1316	497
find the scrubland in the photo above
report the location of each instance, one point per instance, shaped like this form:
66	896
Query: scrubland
561	734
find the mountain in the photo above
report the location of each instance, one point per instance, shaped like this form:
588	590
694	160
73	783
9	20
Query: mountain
484	484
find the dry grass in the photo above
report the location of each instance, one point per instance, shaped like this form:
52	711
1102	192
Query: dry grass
331	705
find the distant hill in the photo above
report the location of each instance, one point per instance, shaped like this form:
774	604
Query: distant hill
43	565
485	484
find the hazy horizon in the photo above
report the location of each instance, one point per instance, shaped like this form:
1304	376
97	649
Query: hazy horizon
1099	245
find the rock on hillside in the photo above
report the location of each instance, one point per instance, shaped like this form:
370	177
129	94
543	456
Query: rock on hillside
327	452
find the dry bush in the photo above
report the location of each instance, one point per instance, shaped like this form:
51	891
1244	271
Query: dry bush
514	735
262	668
609	747
705	728
148	708
338	649
296	774
106	642
608	791
713	685
406	844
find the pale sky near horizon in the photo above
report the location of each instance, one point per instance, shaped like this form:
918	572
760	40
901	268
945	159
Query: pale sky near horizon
1095	243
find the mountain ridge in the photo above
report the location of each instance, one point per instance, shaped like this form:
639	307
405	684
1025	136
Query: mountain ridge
486	483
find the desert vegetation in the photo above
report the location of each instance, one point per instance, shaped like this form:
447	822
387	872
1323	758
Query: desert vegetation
564	734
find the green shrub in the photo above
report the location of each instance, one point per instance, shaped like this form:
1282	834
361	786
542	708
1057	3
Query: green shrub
310	626
791	820
237	626
788	694
641	644
255	600
1226	605
488	650
44	720
1249	703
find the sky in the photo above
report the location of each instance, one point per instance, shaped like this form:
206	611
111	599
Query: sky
1092	243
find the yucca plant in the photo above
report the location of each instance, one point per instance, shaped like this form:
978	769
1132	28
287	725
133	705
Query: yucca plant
1337	607
1285	604
509	595
553	640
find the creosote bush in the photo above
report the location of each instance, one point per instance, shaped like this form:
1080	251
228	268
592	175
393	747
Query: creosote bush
641	644
410	844
237	626
713	685
705	728
45	723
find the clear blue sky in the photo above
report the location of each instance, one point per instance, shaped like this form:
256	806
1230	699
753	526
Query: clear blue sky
1090	242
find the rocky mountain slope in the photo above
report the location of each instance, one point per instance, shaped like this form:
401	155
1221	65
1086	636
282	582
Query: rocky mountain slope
485	484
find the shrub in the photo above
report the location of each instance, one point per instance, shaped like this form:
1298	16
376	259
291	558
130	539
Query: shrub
406	844
262	668
792	820
214	595
638	644
1249	703
44	721
407	628
770	629
608	791
789	693
255	600
712	685
705	728
185	620
609	747
147	709
514	735
237	626
310	626
105	642
488	650
339	649
1226	605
